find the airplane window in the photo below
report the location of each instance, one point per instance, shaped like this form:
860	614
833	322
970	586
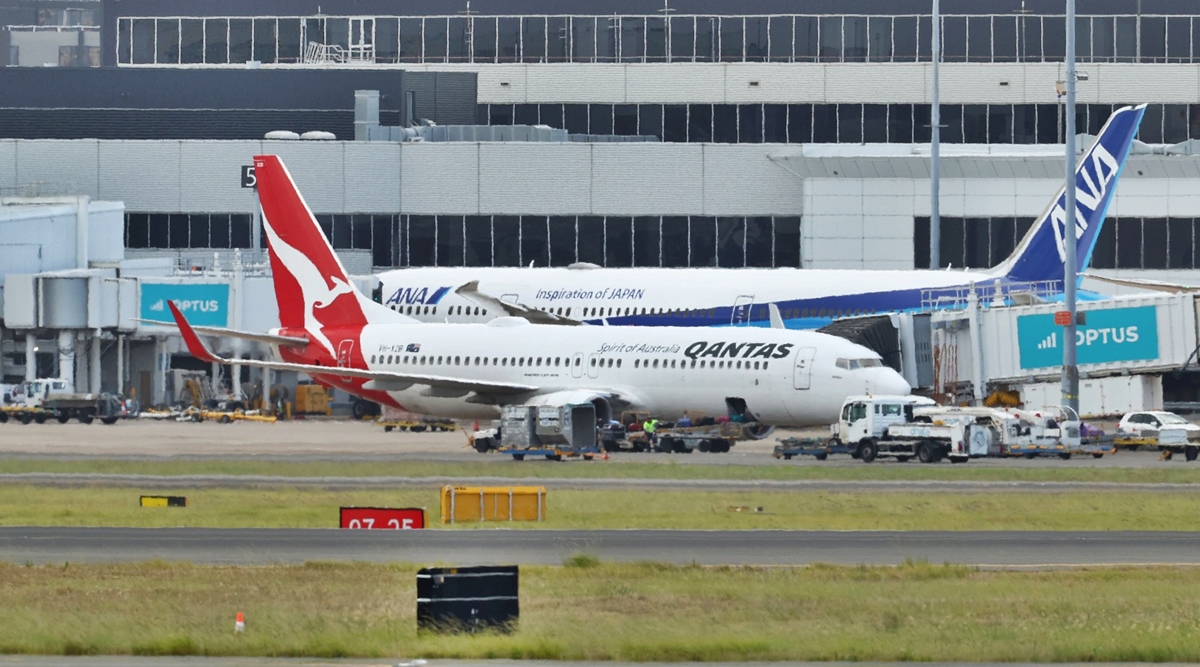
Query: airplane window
756	365
764	365
672	363
610	363
435	310
593	361
521	361
577	361
637	363
693	363
568	312
503	362
618	363
739	364
656	363
372	358
558	361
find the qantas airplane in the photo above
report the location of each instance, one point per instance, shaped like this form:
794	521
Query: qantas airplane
804	298
335	334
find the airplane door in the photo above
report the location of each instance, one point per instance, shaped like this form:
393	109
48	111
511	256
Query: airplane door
577	365
345	350
593	368
741	309
802	377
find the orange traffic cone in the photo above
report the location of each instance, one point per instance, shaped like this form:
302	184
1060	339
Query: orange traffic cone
240	624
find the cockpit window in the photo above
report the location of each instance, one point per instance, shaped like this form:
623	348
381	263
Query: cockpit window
852	364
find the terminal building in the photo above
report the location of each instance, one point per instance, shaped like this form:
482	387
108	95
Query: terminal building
764	133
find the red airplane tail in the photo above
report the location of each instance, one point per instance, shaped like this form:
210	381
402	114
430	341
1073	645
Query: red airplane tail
311	285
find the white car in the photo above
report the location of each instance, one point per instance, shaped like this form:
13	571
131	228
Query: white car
1151	422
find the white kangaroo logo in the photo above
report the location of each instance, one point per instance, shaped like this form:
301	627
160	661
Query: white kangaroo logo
317	293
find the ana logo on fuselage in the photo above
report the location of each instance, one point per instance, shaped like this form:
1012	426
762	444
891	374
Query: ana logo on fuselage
1096	174
408	296
721	350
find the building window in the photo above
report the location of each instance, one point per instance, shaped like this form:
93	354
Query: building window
976	243
997	37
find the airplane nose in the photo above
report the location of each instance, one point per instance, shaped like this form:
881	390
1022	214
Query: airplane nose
890	383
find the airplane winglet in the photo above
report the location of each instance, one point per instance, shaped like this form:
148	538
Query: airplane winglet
195	346
776	318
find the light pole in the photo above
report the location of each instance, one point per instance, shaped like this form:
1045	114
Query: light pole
1070	372
935	140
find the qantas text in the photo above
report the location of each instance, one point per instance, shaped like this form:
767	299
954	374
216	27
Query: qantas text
736	350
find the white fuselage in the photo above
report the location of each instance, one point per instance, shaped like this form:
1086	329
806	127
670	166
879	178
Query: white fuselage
784	377
806	298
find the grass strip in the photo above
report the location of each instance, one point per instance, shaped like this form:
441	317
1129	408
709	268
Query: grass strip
601	611
625	508
658	468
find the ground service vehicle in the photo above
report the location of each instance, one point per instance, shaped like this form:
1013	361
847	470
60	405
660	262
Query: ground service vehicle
1167	431
55	398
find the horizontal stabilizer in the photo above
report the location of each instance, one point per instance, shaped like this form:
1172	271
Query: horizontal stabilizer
270	339
1143	283
198	349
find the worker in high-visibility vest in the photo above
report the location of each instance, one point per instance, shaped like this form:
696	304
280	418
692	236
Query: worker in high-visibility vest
649	427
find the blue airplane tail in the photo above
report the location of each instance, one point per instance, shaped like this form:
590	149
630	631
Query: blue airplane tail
1040	255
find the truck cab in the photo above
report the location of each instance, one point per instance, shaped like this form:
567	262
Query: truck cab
33	394
866	417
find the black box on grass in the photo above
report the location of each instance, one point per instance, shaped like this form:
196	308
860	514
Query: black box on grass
467	599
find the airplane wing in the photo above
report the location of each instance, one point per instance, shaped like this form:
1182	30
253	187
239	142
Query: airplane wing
383	379
533	315
270	339
1143	283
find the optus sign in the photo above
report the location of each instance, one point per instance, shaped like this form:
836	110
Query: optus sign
203	304
1111	334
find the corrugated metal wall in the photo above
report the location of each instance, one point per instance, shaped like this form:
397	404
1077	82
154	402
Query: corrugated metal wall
384	177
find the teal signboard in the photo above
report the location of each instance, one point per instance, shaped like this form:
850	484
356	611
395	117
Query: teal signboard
203	304
1114	334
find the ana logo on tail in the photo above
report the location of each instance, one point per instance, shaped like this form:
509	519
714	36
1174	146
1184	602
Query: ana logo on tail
316	291
1096	174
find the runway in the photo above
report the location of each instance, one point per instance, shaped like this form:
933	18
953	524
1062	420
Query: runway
550	547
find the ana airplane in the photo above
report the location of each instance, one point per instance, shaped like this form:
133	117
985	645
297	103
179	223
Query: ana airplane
804	298
342	339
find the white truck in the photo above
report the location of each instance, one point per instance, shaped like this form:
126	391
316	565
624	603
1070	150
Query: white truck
874	426
909	426
55	398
